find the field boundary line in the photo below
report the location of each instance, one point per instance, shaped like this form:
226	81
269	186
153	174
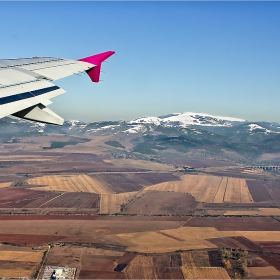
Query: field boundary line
225	190
217	190
51	199
43	263
170	236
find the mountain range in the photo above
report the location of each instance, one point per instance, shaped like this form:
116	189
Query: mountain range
181	133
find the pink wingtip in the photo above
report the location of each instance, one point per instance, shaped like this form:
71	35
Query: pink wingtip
96	60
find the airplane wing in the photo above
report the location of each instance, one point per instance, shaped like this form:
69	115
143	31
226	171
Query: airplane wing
26	88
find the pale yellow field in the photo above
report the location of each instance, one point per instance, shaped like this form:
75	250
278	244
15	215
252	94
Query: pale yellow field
263	271
141	267
23	157
205	273
209	188
21	256
142	164
15	273
187	238
252	171
5	185
258	211
220	193
70	183
111	203
154	242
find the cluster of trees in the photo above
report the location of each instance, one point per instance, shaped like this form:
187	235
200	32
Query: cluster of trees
235	260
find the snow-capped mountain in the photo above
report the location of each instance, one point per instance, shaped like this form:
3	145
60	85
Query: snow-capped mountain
177	121
187	119
203	134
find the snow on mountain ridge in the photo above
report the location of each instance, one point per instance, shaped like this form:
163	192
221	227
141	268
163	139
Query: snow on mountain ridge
188	118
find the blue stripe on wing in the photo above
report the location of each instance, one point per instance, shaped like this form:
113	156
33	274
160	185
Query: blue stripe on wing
26	95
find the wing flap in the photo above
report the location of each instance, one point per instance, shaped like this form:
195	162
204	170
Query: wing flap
61	71
40	113
12	76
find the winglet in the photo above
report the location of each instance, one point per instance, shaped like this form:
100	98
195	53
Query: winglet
96	60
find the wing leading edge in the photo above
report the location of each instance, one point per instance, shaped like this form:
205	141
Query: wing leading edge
25	88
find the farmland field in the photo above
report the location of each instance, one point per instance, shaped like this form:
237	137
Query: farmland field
69	183
186	238
19	261
273	259
159	202
29	239
168	266
140	164
258	272
236	242
195	259
133	182
22	197
207	188
111	203
235	223
258	190
141	267
5	185
153	224
16	272
96	264
270	246
205	273
20	256
258	211
73	200
76	228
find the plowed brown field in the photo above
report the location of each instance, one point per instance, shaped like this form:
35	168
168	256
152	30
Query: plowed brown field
73	200
273	259
161	203
236	242
21	197
141	267
168	266
133	182
195	259
209	188
265	272
270	246
258	190
235	223
69	183
29	239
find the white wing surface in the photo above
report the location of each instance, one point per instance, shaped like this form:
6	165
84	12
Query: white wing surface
26	88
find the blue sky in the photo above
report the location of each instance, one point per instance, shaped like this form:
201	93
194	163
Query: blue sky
220	58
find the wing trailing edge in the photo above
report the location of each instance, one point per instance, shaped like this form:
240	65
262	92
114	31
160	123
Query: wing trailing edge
39	113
